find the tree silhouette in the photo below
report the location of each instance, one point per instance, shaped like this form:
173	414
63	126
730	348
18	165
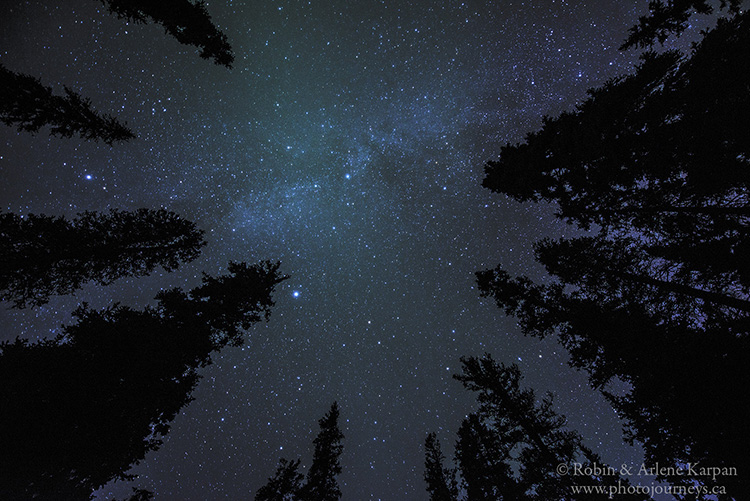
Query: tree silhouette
659	296
42	255
661	151
82	408
320	484
670	17
285	485
603	269
512	447
441	482
669	363
485	459
29	106
188	22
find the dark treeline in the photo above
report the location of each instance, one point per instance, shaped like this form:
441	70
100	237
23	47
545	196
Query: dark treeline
288	484
188	22
655	166
669	17
514	448
29	105
43	256
82	408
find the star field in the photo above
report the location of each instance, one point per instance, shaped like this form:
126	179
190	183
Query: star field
348	143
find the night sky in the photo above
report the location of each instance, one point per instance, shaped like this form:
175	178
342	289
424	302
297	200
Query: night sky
348	142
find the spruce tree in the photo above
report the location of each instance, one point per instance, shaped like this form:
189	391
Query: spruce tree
513	446
662	152
657	295
671	17
188	22
284	485
29	105
603	268
41	256
668	362
441	481
82	408
483	455
320	484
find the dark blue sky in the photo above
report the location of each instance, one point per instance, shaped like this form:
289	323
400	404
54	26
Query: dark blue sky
348	141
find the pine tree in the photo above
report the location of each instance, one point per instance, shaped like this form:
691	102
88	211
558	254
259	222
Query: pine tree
483	455
670	17
668	363
663	151
29	105
41	256
658	297
82	408
321	484
188	22
441	481
512	447
285	485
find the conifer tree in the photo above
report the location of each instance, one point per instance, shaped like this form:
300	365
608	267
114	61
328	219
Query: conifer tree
41	256
82	408
320	484
512	447
29	105
484	459
668	17
605	269
190	23
655	165
139	495
668	362
284	485
441	481
662	152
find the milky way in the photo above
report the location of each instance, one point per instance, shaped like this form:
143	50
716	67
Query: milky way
348	142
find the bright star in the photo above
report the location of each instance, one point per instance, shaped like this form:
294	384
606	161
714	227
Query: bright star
295	293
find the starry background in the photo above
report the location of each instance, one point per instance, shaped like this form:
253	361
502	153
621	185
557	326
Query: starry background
347	142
